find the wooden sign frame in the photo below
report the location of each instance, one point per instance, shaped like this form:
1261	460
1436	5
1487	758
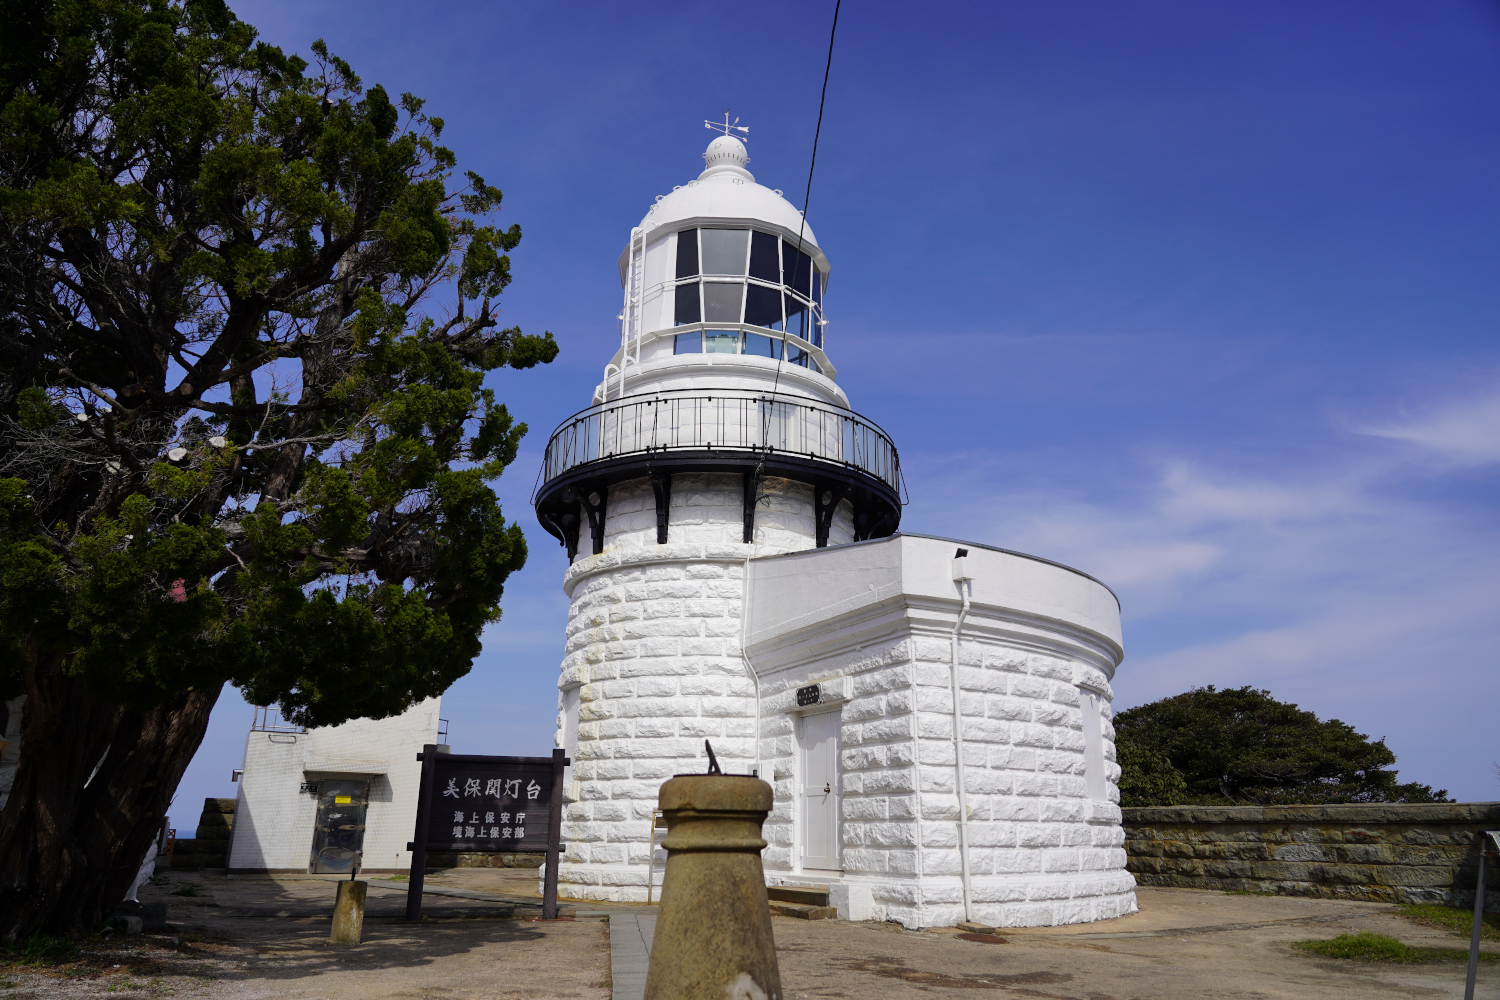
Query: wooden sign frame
464	839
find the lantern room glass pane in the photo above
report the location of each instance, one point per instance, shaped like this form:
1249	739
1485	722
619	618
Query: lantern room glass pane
762	347
687	343
764	263
721	342
687	305
762	306
722	301
687	253
796	317
725	251
797	268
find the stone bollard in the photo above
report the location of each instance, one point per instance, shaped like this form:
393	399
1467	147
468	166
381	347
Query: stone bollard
713	931
349	913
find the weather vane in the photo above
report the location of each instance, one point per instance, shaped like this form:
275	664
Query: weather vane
728	127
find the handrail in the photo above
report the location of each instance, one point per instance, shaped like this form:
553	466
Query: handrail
728	421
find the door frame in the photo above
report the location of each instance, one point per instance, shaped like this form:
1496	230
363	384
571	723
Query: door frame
800	832
364	818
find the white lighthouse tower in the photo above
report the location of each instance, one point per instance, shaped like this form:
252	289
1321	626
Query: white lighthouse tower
933	715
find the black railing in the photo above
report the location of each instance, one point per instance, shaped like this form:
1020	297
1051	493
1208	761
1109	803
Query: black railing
728	421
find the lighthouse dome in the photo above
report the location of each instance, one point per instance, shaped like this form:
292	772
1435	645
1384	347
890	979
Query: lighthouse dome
727	190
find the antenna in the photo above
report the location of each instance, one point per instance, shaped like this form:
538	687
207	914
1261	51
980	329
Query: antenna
728	127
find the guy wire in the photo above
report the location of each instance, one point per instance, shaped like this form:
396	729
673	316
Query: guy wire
765	432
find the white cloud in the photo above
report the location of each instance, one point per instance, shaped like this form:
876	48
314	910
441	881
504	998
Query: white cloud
1466	433
1337	587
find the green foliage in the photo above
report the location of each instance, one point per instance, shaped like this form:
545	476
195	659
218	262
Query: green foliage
1147	775
1242	746
194	223
1365	946
1458	919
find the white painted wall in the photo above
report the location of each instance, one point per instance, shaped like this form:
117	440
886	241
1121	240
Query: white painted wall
273	822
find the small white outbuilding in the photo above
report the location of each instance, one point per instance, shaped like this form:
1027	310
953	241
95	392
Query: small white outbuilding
934	715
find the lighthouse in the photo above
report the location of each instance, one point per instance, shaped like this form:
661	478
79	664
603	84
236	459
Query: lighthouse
933	715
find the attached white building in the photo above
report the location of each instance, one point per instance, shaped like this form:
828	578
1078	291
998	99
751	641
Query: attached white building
735	576
323	799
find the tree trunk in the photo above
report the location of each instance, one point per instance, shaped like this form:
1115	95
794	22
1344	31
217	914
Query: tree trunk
90	794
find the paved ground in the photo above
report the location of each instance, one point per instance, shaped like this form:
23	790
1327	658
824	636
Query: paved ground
1183	944
258	938
262	938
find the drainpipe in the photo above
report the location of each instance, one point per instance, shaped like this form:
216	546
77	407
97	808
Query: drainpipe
745	655
962	578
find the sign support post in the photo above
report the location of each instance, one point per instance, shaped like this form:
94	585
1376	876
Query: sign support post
554	836
468	802
418	846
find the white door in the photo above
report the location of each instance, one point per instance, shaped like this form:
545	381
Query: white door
820	796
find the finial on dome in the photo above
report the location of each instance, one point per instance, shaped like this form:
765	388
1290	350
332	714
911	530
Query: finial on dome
728	127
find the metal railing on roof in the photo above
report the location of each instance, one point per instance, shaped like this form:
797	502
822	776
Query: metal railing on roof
268	720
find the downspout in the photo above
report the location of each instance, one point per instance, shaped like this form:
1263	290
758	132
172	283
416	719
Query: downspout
962	578
745	655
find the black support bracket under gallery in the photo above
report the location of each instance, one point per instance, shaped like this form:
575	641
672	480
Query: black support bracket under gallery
580	496
661	489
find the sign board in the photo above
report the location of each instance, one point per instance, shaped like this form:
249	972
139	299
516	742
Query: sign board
489	804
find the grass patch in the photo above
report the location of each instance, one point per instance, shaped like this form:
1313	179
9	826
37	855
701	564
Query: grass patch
1367	947
1459	920
396	878
39	949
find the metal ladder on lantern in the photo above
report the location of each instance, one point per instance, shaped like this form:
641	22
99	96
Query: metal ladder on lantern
631	320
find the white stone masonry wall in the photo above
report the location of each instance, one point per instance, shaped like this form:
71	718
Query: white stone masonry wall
1040	851
878	786
709	509
653	642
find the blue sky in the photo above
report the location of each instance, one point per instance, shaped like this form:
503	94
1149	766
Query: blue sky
1199	298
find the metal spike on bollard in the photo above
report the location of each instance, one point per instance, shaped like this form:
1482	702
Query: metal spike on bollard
713	932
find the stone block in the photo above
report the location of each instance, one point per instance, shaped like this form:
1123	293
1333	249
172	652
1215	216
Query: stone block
864	860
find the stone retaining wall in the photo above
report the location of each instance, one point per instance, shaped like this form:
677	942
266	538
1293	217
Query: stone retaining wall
209	848
1399	853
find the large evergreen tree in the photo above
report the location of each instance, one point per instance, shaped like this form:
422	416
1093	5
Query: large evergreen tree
238	442
1244	747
